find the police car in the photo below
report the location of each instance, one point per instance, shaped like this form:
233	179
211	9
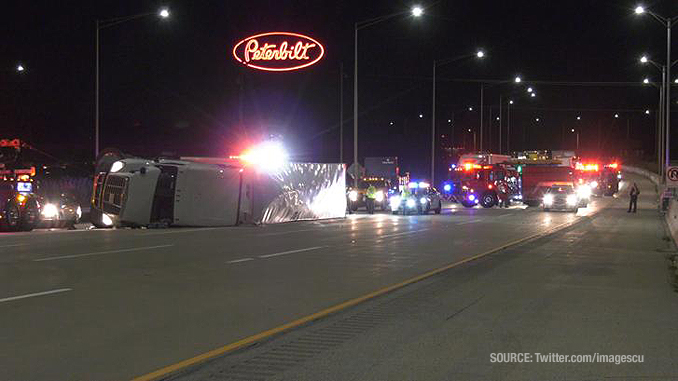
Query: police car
419	198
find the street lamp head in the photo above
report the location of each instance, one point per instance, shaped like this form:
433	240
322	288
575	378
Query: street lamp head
646	81
469	130
20	68
164	13
639	10
470	108
616	115
675	80
449	121
529	89
578	118
536	119
643	59
518	79
511	102
572	130
421	115
497	118
533	95
480	54
647	112
417	11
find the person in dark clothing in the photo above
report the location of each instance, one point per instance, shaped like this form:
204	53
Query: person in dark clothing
633	193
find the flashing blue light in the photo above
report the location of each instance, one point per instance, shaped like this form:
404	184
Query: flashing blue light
447	187
413	185
453	166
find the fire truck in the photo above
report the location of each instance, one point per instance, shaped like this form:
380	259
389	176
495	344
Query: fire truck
484	184
19	206
602	179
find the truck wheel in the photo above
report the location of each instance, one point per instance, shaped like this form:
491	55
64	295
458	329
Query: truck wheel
488	200
468	204
439	208
30	216
12	218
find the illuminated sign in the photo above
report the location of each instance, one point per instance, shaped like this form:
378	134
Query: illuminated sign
278	51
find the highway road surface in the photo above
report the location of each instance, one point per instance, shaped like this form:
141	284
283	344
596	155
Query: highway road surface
119	304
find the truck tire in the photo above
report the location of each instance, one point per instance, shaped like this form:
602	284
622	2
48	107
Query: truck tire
439	208
30	216
12	218
488	200
468	204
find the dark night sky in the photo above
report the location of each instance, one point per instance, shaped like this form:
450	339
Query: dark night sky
172	85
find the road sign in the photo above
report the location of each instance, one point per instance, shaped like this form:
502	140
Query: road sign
672	176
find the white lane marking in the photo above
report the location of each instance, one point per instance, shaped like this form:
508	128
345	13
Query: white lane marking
18	244
100	253
34	294
504	215
288	232
183	231
403	233
469	222
291	252
240	260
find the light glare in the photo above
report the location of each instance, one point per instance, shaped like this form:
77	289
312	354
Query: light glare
164	13
639	10
417	11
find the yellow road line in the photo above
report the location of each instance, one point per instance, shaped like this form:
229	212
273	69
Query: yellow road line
321	314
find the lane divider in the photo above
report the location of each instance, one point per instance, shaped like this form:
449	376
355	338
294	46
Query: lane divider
168	370
291	252
100	253
50	292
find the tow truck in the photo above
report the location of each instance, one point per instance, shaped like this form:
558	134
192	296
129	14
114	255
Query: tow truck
19	206
357	198
481	183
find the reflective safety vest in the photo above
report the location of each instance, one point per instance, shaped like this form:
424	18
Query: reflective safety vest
371	192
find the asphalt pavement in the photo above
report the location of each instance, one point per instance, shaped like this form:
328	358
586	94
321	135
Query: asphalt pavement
115	304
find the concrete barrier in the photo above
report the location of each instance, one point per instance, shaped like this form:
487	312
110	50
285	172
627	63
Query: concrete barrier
671	214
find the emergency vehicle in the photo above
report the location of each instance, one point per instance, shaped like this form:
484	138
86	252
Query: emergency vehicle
19	206
357	196
484	184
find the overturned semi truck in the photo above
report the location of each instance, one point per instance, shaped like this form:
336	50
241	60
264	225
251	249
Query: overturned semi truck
137	192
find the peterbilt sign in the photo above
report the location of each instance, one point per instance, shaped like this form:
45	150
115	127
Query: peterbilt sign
278	51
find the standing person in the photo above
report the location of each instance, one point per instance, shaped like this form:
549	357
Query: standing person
370	195
503	195
633	193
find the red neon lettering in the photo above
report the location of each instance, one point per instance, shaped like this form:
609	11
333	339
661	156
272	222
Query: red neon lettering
302	52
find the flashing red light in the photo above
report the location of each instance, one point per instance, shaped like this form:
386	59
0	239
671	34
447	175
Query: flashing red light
489	186
269	47
614	165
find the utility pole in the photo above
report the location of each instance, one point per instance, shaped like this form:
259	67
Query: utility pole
341	112
482	91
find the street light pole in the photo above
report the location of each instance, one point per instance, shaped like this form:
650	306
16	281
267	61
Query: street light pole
508	126
501	100
482	91
667	98
163	13
416	12
433	129
355	110
341	112
96	97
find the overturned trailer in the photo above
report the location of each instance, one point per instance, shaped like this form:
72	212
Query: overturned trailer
214	192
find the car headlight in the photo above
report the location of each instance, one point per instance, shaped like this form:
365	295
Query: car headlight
395	202
411	203
106	220
423	200
353	195
471	197
619	176
379	196
584	191
572	199
594	184
50	211
548	199
117	166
